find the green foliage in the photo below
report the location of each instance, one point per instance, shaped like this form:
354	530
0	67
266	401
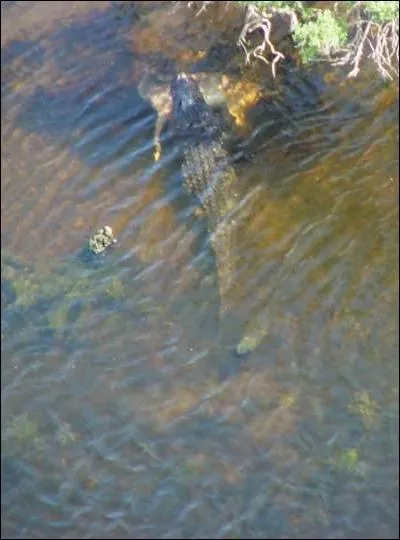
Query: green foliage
382	12
323	35
277	5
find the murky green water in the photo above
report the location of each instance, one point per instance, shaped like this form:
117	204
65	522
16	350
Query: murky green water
125	411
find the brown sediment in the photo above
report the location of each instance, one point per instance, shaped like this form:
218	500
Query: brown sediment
167	31
44	222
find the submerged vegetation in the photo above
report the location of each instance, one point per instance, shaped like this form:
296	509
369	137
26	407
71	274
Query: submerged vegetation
60	286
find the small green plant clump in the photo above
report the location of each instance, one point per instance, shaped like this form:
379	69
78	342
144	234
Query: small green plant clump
321	35
22	431
381	12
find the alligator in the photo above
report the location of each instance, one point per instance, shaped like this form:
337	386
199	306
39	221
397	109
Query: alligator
158	93
209	175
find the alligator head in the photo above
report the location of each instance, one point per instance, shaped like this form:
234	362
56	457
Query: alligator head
186	94
190	110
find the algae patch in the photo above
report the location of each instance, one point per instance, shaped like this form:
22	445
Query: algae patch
364	406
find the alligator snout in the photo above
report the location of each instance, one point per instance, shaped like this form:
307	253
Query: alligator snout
186	95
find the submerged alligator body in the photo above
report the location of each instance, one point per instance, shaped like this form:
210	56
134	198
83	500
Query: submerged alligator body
209	174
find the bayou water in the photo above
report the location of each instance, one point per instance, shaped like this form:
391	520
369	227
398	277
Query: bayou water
125	411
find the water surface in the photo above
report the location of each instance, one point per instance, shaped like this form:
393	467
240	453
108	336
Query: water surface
125	411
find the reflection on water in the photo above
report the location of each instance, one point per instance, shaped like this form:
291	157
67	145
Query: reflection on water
125	412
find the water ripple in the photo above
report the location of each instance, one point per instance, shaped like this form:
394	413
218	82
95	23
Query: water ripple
125	409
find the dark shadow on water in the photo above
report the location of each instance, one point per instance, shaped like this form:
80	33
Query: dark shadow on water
105	68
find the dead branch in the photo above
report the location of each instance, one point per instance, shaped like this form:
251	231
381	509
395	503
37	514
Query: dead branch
261	20
357	57
375	41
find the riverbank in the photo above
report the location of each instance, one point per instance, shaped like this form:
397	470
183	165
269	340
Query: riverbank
350	34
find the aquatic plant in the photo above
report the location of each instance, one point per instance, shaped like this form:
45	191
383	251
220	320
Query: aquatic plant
22	430
364	406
